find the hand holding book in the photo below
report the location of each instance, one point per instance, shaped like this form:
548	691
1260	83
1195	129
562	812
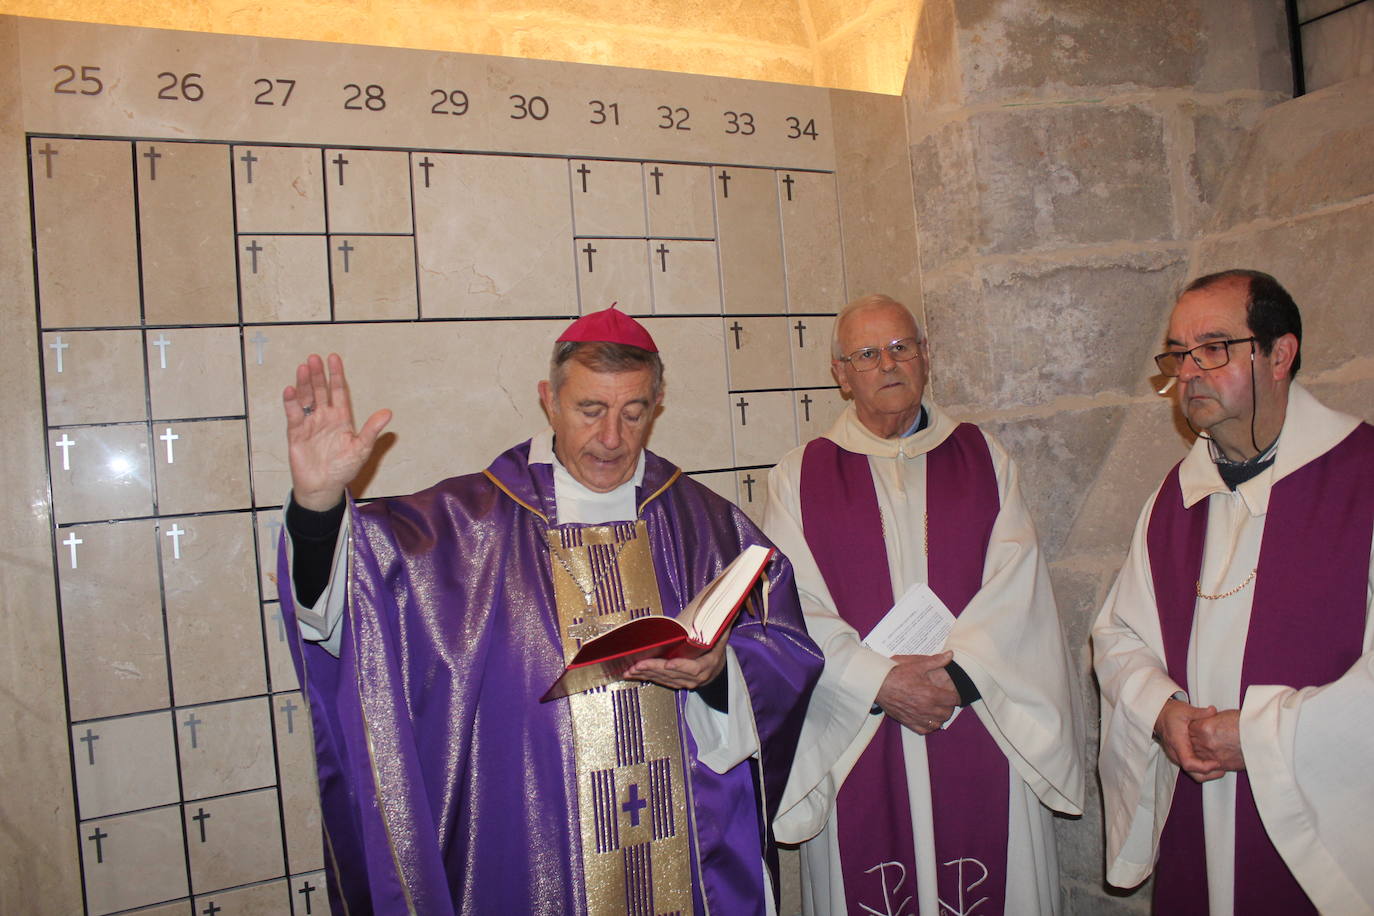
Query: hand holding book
686	648
681	673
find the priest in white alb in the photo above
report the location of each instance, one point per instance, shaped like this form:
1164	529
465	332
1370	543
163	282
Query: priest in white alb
1234	650
902	806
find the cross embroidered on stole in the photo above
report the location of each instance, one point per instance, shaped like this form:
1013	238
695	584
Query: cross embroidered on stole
628	749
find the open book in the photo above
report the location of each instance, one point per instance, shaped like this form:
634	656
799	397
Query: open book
693	632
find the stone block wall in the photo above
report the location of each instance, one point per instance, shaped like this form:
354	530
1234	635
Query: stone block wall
1337	41
1074	164
1299	203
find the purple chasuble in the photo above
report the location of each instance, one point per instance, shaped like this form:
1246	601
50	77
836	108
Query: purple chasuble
1307	623
968	772
446	786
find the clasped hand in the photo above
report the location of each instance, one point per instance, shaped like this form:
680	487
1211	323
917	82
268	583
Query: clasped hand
918	692
1202	742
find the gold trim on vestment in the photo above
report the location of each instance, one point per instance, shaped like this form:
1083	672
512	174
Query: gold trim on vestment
631	787
677	472
506	490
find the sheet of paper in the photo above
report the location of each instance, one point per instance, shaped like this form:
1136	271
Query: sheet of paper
918	624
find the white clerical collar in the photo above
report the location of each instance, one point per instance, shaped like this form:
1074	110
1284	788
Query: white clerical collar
578	504
1310	429
850	434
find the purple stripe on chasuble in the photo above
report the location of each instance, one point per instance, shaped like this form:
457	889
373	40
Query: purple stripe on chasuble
1314	555
968	772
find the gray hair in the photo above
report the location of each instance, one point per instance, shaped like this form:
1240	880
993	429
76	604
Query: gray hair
876	300
603	356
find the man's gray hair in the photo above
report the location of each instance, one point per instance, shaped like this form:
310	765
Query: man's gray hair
876	300
602	356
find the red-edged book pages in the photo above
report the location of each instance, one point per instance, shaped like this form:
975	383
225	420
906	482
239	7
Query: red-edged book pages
693	632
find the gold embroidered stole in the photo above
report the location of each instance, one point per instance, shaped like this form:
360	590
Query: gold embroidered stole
631	792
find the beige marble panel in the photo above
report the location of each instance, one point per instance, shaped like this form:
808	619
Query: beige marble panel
816	411
112	619
492	236
811	241
410	117
765	426
368	190
272	898
308	892
125	764
133	860
284	277
809	339
233	840
722	483
691	430
750	237
186	233
93	377
685	277
83	202
462	392
269	525
680	201
758	352
38	846
278	189
225	747
202	466
102	474
877	205
300	791
170	909
197	373
214	630
607	198
613	271
753	493
373	277
281	673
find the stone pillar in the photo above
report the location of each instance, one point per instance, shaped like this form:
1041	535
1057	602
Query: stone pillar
1065	157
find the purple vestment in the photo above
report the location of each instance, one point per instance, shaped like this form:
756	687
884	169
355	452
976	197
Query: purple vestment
968	771
1306	628
446	786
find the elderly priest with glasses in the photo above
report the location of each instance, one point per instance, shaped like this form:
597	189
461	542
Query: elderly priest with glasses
1233	652
434	623
924	782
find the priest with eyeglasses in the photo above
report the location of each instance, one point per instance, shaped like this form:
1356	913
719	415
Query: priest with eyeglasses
1234	651
901	806
432	624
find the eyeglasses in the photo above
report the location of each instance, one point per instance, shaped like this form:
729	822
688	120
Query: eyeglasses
1210	355
904	350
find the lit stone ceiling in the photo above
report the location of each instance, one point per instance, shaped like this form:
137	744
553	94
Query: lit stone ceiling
846	44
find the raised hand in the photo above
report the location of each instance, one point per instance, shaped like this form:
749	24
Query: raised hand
325	450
